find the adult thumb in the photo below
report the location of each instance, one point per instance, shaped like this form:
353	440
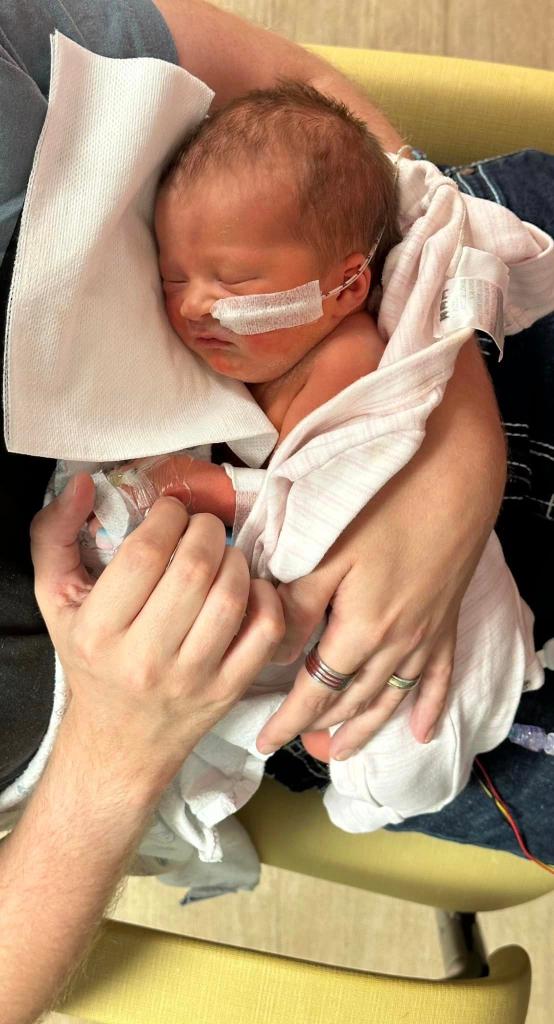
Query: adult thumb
55	551
305	602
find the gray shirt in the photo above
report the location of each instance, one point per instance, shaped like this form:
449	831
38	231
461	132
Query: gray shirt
112	28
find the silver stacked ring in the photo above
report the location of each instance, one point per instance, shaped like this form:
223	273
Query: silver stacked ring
323	673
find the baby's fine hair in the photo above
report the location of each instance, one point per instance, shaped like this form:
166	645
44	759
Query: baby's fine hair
342	182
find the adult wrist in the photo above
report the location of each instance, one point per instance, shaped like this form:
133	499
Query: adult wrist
116	779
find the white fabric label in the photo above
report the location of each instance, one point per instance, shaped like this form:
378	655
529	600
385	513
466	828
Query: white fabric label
473	302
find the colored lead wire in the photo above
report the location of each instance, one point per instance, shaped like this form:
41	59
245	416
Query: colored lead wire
489	788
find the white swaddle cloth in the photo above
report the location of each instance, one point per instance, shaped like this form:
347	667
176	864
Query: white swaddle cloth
329	465
93	370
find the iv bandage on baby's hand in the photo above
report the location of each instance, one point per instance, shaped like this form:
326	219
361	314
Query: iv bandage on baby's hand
147	480
124	496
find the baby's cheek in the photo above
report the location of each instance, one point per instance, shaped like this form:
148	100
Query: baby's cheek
272	349
174	318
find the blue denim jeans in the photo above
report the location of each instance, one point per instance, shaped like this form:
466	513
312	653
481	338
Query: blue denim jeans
524	385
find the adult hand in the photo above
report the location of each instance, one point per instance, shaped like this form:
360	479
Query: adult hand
164	643
396	578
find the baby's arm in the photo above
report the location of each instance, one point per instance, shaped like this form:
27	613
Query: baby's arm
353	350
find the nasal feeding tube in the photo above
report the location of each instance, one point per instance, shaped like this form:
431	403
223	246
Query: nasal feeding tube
295	307
272	311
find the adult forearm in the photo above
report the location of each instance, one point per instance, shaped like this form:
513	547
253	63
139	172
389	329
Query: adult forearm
462	461
59	870
232	56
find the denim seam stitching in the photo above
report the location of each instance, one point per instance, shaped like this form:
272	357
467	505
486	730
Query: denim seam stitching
489	159
488	182
465	186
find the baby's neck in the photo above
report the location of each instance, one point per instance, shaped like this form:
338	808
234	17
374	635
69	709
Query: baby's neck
275	396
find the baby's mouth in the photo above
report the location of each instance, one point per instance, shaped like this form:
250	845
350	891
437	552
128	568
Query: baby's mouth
211	336
209	341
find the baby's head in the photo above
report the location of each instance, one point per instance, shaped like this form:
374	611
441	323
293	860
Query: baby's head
281	187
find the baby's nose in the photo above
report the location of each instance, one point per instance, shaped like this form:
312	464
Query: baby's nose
196	303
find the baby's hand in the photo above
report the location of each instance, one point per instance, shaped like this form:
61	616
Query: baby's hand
100	536
200	486
143	481
146	480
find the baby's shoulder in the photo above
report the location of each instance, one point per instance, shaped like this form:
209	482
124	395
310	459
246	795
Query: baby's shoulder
352	350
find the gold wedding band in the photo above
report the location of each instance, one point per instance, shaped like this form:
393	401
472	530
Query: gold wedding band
400	683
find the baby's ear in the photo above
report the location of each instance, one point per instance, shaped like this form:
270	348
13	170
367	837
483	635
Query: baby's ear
356	292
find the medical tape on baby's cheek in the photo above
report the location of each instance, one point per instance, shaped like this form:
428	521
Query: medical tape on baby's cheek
257	314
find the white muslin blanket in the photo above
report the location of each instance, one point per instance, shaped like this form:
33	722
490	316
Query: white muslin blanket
463	263
86	330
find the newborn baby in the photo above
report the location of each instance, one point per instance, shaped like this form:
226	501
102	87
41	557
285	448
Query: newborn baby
253	243
273	223
250	206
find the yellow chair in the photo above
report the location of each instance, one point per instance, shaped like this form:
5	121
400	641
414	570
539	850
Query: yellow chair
139	976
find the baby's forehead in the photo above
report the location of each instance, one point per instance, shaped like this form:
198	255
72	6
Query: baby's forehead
230	207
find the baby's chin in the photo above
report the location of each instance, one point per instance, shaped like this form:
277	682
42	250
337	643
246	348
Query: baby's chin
231	364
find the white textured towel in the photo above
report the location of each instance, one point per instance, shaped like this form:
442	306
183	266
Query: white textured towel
93	370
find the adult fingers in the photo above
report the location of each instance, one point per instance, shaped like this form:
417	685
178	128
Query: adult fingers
60	578
434	671
369	682
220	615
433	689
128	581
355	733
304	605
198	566
262	629
310	702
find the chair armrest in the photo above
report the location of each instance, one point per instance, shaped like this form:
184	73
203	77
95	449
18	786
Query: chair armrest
145	977
456	110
